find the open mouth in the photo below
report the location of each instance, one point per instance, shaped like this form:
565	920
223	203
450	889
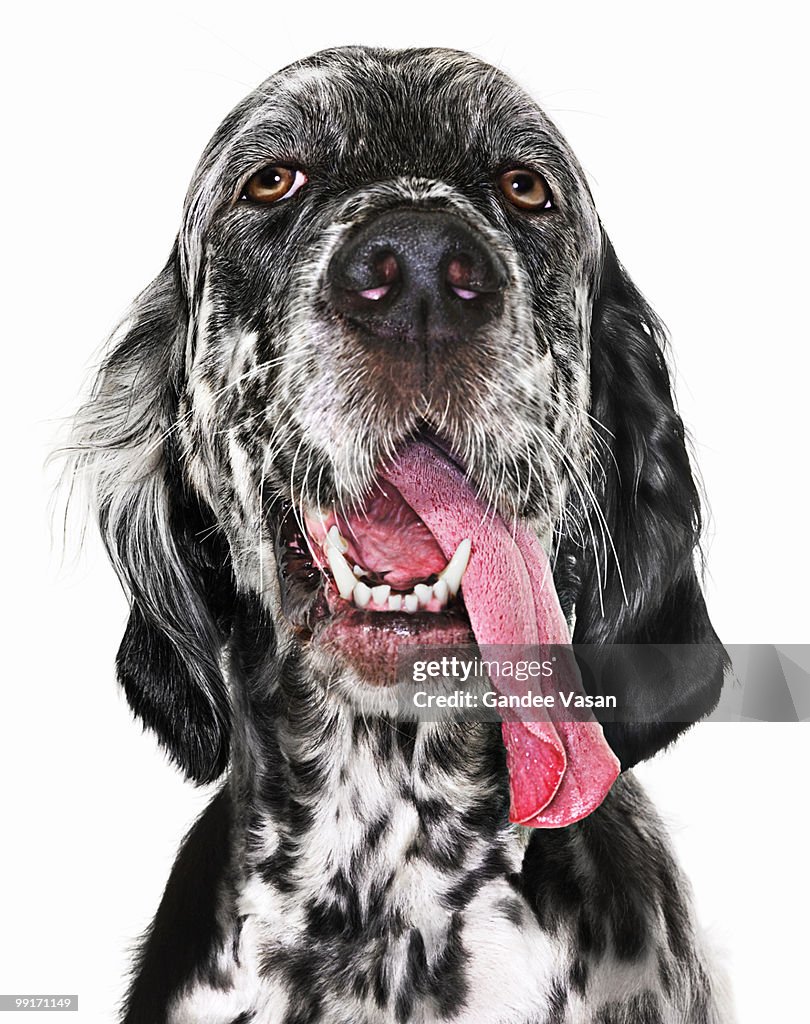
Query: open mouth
367	581
387	582
424	561
390	563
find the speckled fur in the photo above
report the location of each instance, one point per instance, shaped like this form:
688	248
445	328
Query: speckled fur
355	869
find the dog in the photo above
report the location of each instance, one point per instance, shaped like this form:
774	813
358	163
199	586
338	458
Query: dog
392	387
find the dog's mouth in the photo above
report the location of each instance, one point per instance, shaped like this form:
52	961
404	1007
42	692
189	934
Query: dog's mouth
425	561
368	580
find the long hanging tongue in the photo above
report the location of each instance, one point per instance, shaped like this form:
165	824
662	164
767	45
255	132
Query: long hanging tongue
558	771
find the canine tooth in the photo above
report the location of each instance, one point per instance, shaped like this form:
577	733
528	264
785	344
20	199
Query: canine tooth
333	537
423	593
441	592
379	595
359	571
455	568
395	602
411	602
362	594
344	577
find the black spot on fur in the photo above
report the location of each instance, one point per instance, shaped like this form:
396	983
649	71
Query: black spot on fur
557	1003
379	983
415	980
328	920
471	883
432	812
374	832
450	983
405	737
300	970
553	884
277	869
512	910
382	918
578	975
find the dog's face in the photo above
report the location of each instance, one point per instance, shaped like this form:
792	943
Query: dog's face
389	267
378	243
377	247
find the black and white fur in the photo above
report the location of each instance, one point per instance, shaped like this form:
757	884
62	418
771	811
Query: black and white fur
356	870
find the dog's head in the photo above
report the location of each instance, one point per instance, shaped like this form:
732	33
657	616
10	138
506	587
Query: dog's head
391	315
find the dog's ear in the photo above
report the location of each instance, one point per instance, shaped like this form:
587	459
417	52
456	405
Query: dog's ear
644	588
162	541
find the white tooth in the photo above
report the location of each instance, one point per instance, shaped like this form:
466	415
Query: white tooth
395	602
423	593
358	571
411	602
379	595
441	592
344	577
334	539
362	594
454	570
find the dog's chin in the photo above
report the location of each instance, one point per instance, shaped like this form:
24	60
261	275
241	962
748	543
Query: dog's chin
371	643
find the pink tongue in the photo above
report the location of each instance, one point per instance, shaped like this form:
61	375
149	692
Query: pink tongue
558	772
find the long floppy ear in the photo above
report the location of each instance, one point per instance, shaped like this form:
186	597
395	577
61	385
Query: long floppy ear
162	541
646	591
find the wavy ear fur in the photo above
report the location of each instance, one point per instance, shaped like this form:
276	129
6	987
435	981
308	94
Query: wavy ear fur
162	542
649	593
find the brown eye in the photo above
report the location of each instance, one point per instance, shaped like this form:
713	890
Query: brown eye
273	183
527	190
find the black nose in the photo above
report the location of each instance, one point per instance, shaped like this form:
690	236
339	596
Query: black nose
417	275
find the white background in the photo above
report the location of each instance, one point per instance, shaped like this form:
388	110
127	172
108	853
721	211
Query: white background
691	126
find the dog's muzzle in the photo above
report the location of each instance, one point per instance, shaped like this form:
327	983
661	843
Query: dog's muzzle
417	276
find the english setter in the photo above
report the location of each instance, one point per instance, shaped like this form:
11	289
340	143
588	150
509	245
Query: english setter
391	374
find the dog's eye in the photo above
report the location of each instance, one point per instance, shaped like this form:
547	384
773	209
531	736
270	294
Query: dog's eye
525	189
273	183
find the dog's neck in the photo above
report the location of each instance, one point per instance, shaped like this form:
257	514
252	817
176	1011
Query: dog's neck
331	799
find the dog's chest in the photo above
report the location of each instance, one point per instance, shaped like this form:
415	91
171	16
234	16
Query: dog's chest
410	941
378	923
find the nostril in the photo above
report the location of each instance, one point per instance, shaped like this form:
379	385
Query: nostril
458	271
459	276
467	280
385	272
387	267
